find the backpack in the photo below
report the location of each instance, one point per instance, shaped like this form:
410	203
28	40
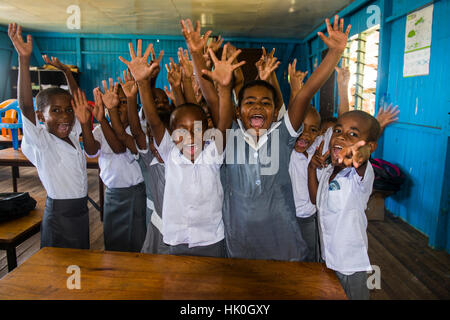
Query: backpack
388	177
15	205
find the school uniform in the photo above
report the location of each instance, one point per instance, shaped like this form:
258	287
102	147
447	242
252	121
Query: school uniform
259	209
125	201
305	210
62	170
193	198
154	177
341	204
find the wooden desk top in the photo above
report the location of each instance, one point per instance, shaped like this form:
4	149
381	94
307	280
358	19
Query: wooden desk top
11	230
10	157
123	275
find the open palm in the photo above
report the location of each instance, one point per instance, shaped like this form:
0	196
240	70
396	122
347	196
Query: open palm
24	49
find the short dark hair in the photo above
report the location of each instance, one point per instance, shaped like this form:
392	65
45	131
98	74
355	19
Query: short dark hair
311	109
374	130
43	98
189	106
330	119
257	83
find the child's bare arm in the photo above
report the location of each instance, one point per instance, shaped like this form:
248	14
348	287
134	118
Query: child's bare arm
174	78
317	161
386	116
108	132
196	44
129	87
336	43
343	77
266	66
83	112
73	86
187	72
142	72
223	75
24	50
111	100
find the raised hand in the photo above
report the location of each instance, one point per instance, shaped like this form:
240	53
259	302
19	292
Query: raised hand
111	96
223	69
24	49
215	44
194	40
81	108
187	69
387	115
169	93
54	61
266	65
296	78
337	38
354	155
173	74
319	160
98	111
343	73
139	66
156	63
129	86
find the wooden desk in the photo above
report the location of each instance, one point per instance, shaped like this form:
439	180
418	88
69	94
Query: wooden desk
14	232
138	276
16	159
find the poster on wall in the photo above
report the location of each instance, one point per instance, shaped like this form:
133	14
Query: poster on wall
418	42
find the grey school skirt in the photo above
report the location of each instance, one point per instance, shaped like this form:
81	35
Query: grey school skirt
154	240
124	218
65	223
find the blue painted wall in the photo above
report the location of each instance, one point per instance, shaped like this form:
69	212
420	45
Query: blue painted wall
418	143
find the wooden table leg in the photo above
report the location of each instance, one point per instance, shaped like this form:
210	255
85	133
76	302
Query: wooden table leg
101	194
15	175
11	258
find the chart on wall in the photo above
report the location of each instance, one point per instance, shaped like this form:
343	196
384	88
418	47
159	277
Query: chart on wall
418	42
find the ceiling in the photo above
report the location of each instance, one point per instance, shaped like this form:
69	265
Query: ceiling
230	18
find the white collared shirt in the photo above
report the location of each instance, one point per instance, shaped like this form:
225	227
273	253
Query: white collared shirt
298	170
60	166
193	195
117	170
341	206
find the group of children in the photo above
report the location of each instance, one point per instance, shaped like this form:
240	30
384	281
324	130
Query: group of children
225	171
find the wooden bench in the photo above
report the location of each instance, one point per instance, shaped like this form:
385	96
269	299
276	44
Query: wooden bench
138	276
14	232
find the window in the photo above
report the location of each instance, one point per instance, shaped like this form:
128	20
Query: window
362	58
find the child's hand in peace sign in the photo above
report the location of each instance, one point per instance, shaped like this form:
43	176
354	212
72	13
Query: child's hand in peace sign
319	160
355	155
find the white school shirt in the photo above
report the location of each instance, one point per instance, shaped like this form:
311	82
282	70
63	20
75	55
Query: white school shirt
117	170
60	166
298	170
193	195
341	206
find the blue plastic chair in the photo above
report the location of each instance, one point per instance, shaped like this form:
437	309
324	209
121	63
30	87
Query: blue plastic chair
14	127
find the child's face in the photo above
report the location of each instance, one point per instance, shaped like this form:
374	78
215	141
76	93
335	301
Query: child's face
123	114
257	109
161	100
58	117
188	133
349	130
311	130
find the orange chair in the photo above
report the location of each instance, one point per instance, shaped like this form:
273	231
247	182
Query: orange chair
11	122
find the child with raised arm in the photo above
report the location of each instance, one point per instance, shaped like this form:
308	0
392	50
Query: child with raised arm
151	164
124	214
341	193
259	208
193	196
50	142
